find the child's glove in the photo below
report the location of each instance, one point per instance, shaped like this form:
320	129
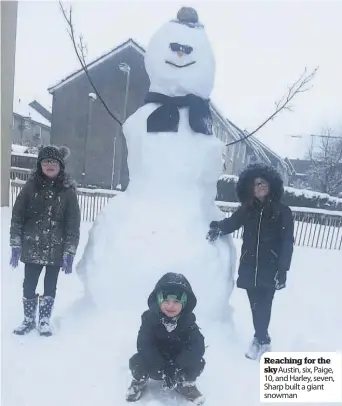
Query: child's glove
14	261
68	260
280	280
214	232
169	381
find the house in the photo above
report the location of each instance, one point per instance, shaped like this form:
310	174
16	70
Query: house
251	150
80	120
29	128
299	170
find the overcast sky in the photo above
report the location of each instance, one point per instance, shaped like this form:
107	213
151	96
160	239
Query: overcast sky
261	47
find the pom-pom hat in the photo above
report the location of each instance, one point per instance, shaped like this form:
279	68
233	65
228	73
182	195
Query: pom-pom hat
60	154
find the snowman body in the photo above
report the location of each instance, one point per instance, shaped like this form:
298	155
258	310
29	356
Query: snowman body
160	223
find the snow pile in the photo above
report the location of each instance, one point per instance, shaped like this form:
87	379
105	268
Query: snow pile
23	150
87	364
229	178
292	196
19	149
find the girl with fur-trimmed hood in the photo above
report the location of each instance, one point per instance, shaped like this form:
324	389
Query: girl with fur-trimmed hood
45	229
267	245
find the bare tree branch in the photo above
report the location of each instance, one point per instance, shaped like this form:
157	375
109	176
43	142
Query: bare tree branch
81	51
300	86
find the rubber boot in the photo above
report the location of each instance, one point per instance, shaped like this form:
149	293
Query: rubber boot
45	309
30	311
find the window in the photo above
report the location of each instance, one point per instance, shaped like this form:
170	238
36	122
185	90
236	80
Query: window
38	134
26	124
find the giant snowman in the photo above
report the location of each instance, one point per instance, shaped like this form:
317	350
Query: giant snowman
160	223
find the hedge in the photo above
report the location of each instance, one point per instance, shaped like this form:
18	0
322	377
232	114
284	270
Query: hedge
226	192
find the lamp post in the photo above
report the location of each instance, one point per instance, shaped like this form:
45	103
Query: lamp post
91	99
124	67
127	70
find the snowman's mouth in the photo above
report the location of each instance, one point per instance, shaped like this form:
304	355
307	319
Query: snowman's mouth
180	66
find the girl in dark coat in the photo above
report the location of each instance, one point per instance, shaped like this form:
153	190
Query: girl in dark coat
170	344
45	229
267	245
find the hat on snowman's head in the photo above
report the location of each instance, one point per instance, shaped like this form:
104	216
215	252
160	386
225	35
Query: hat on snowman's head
188	16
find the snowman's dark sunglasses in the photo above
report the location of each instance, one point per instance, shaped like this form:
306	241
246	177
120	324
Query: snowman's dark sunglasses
175	47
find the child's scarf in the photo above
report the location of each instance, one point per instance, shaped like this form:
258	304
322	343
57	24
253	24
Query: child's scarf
170	323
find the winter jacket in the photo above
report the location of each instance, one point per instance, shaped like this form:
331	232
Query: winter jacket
46	220
268	230
184	345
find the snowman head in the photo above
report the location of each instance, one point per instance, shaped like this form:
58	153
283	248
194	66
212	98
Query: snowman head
179	59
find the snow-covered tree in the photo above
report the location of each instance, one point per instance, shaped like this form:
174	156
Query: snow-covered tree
325	172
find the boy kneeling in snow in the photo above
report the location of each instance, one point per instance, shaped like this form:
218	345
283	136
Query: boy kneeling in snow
170	344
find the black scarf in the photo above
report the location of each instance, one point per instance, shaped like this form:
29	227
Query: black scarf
166	117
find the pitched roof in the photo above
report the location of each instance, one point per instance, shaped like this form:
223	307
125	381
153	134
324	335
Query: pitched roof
24	110
41	110
300	166
130	43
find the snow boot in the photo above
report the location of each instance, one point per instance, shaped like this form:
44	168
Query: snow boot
190	392
257	349
45	309
136	390
30	310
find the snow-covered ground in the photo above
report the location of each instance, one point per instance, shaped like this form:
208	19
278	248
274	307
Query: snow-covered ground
86	361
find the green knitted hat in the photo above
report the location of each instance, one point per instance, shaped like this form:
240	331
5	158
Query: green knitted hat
182	297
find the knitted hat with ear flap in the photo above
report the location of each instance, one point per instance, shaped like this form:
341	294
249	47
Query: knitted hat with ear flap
52	152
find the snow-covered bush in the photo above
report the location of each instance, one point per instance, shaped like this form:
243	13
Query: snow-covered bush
292	197
19	149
